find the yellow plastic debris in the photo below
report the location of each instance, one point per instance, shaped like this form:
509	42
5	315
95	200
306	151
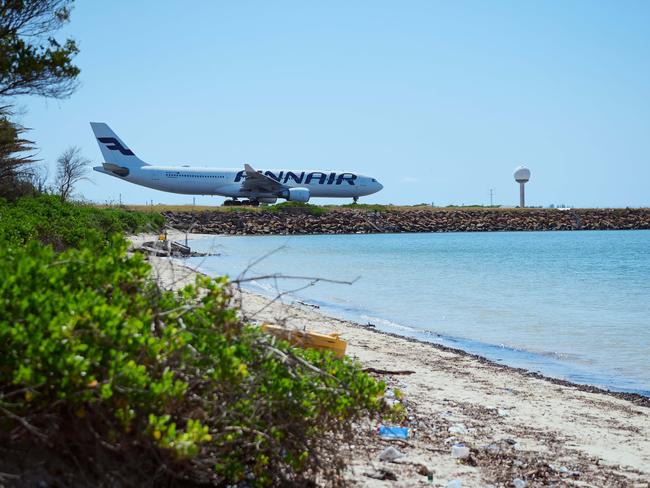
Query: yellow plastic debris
309	340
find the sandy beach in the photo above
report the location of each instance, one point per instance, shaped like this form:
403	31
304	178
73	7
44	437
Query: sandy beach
519	426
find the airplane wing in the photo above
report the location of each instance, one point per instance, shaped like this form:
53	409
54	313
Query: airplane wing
258	183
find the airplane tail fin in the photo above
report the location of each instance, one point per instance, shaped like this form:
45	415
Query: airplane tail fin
115	152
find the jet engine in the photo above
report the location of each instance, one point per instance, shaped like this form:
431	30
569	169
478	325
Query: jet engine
296	194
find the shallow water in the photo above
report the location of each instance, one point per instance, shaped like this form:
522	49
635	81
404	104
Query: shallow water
573	305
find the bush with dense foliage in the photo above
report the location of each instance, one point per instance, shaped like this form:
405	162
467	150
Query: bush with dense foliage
299	207
46	219
104	377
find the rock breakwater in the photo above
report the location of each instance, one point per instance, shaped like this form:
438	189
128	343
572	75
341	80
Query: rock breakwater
344	220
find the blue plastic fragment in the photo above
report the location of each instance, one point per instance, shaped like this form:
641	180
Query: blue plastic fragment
394	432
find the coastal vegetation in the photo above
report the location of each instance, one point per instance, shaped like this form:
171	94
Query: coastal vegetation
104	376
32	62
47	220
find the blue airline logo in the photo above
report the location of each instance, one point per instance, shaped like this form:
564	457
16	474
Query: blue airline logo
114	145
305	178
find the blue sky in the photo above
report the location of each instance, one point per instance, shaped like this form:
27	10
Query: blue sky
440	101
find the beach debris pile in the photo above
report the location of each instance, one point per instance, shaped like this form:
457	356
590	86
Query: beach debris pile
167	248
454	432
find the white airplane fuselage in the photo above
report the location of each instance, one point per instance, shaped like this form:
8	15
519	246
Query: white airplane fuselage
194	180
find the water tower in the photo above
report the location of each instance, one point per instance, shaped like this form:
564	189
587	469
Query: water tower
522	175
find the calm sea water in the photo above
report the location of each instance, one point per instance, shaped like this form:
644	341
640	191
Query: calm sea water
573	305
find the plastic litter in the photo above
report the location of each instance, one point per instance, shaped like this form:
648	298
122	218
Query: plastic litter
459	451
502	413
391	402
493	448
309	339
457	429
519	483
454	484
390	454
394	432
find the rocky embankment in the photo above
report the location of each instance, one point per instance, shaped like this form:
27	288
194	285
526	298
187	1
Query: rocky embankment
363	221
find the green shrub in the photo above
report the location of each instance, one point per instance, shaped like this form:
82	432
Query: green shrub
109	374
48	220
297	207
368	207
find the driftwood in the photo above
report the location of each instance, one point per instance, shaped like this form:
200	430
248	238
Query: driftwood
386	371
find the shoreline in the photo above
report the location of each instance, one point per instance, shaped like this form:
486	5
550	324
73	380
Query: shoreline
637	398
633	396
541	362
603	435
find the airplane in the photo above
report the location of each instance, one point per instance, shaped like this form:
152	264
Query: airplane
256	186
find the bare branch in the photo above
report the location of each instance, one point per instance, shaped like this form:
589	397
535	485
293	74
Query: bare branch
24	423
70	169
279	276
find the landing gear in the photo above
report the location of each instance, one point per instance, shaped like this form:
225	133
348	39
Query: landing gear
355	199
243	203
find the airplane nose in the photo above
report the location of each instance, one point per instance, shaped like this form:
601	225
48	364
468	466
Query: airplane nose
379	186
